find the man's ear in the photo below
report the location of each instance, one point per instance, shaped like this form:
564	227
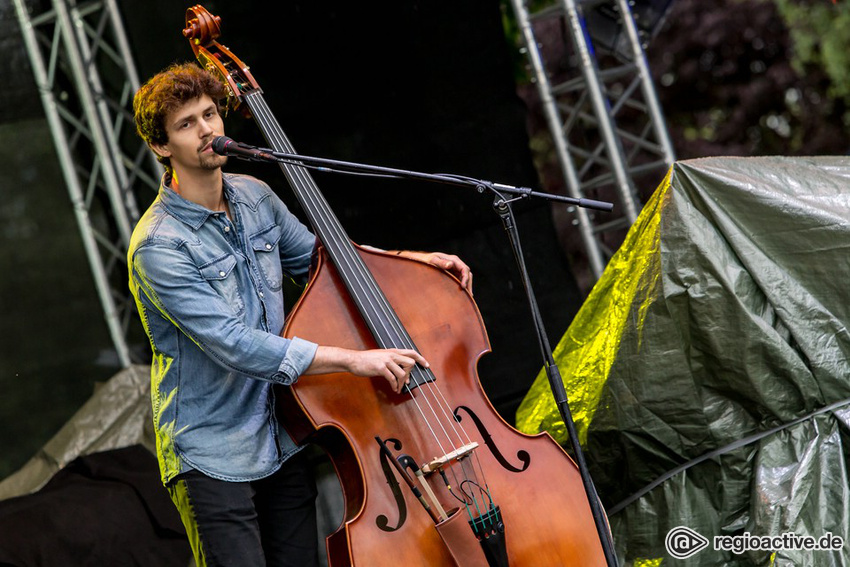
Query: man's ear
161	150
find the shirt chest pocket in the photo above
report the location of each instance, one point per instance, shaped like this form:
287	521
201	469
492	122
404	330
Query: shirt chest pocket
220	274
265	246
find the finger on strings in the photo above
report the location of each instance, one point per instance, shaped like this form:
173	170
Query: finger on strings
415	356
404	376
396	369
406	362
392	380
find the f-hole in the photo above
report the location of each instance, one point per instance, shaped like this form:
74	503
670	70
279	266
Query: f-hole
523	456
382	521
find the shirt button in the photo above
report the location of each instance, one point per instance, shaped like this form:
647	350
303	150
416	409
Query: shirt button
227	229
222	274
261	294
268	246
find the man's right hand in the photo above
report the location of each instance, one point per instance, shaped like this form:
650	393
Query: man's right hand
393	364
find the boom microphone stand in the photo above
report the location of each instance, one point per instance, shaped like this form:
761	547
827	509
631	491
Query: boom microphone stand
502	205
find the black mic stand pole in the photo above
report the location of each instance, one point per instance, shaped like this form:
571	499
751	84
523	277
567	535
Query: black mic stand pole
503	208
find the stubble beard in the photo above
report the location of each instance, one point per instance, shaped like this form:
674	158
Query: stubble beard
211	161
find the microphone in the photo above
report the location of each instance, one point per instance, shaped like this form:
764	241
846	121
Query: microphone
224	146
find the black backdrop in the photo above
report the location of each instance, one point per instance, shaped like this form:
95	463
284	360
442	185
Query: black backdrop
427	86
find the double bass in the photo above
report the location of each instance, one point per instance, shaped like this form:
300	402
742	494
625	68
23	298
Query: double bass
431	476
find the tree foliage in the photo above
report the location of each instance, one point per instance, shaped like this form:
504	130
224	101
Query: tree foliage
747	77
820	31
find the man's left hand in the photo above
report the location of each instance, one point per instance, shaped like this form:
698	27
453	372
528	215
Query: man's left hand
448	262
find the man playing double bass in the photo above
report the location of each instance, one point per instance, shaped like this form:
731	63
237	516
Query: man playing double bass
206	267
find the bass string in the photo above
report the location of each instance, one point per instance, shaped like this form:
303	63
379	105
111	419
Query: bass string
324	223
335	237
335	240
328	228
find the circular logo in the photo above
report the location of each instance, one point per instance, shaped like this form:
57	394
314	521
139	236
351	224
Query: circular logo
683	542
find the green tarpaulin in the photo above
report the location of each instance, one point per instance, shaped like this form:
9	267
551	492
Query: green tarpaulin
711	358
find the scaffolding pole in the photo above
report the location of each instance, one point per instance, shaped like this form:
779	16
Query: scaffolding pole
72	48
604	117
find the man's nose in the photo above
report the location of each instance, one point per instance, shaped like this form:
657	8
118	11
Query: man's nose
205	129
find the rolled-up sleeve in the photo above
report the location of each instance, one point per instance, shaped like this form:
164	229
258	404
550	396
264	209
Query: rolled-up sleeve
297	359
169	282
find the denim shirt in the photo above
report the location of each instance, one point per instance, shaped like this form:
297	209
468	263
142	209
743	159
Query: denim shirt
209	292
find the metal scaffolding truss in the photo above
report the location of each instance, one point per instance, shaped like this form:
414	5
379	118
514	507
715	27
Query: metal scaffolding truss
84	71
600	107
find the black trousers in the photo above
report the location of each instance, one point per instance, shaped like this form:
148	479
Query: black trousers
268	522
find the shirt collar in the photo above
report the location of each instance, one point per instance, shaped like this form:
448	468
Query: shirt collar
190	213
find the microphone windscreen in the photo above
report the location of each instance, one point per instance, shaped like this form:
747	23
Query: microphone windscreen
219	145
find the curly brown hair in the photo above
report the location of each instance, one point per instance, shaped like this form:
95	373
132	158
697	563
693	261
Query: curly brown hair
165	92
